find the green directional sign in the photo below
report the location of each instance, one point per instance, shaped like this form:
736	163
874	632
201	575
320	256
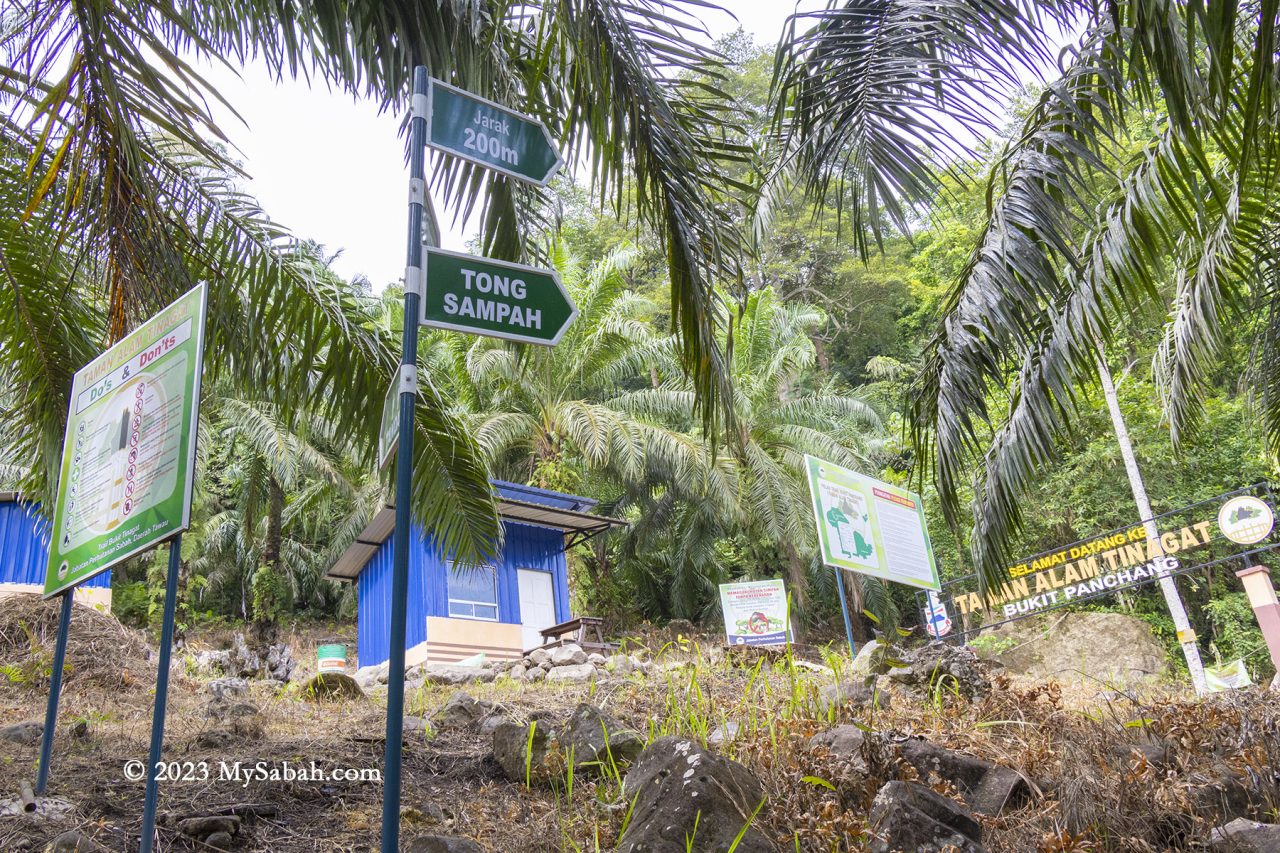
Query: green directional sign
389	426
128	458
500	299
477	129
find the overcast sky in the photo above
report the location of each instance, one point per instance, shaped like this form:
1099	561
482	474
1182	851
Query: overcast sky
332	169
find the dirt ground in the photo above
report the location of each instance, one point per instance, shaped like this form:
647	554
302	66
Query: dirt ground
1086	796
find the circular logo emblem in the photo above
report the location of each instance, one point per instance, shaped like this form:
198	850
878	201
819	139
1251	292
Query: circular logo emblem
1246	520
62	571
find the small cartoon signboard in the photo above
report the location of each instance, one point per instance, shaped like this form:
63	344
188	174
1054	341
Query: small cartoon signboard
937	622
755	612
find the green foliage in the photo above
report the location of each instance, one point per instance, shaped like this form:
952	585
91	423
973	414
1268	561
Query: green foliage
991	644
1236	635
271	598
130	603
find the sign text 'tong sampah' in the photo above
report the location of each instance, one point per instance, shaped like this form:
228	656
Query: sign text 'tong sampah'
484	296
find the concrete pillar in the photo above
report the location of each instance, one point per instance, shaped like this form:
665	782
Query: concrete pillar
1262	598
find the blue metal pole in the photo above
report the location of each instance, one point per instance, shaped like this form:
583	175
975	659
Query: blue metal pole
162	695
844	608
55	688
414	281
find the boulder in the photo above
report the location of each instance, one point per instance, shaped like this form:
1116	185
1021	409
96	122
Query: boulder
680	791
572	672
1107	647
594	738
567	655
908	816
988	788
539	657
490	723
619	664
1245	836
199	827
28	732
229	688
597	659
535	674
74	842
225	709
854	692
1220	794
522	759
331	685
448	674
219	841
370	676
843	742
462	711
726	732
443	844
680	629
214	661
867	662
414	724
516	673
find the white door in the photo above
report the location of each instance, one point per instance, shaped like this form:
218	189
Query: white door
537	604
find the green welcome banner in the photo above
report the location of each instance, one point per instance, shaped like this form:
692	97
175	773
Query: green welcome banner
869	526
128	456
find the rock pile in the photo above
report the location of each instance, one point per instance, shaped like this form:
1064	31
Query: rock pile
272	661
937	666
569	663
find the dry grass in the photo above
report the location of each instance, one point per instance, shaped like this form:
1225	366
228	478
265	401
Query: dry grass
99	649
1088	797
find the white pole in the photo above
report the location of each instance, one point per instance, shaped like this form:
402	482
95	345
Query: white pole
1186	637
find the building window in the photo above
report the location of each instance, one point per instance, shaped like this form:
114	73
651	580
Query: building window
473	592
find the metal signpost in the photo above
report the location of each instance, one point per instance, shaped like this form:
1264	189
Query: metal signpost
128	465
503	300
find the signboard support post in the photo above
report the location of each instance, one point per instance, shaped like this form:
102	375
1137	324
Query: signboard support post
1186	636
844	610
414	284
162	695
55	690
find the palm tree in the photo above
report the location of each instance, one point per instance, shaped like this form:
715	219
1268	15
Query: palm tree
289	499
1142	180
545	415
783	409
116	193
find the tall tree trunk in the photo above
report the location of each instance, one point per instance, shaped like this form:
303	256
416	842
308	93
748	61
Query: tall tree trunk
275	521
1167	586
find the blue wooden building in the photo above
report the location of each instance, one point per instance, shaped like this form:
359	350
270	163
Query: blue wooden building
24	554
497	609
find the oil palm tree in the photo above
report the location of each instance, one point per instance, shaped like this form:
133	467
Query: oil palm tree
783	409
1143	179
116	191
546	415
289	499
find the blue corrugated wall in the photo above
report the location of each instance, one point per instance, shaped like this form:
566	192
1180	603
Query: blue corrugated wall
24	546
527	547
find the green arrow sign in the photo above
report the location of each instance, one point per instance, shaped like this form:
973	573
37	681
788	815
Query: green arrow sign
476	129
483	296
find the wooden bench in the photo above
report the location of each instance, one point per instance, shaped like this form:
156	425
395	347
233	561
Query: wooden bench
578	627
